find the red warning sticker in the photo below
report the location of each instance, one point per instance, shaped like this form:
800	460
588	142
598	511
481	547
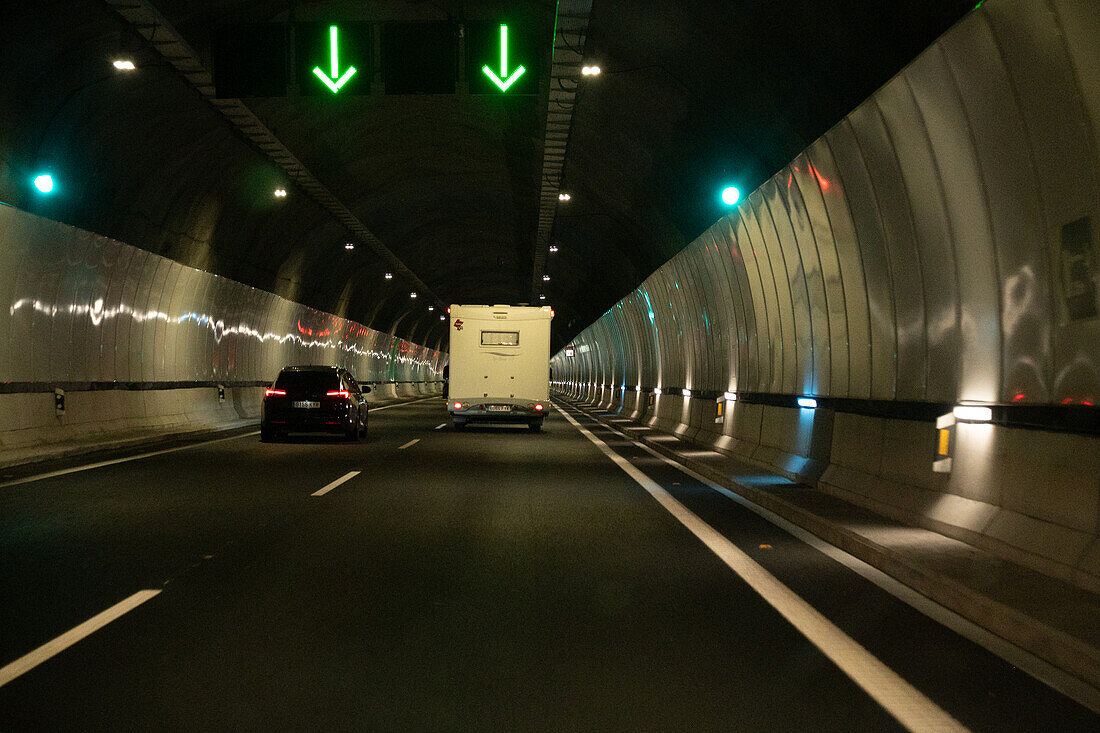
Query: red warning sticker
458	324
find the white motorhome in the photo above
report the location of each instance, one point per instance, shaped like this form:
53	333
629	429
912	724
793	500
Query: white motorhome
499	368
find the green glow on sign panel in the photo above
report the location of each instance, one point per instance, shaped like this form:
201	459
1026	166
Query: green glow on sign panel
337	81
503	81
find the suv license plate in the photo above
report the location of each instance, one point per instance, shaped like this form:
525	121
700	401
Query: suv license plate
307	404
500	408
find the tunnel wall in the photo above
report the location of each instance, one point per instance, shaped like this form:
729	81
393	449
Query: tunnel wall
938	246
140	343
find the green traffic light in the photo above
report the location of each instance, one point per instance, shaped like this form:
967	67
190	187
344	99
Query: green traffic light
44	183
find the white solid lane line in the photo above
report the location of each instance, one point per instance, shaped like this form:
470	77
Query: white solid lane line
412	442
29	661
113	461
440	426
325	489
400	404
905	703
1041	670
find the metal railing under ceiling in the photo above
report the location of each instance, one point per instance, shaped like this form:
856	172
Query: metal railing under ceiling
570	33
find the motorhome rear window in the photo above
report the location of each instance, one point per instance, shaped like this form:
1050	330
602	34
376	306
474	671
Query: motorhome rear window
500	338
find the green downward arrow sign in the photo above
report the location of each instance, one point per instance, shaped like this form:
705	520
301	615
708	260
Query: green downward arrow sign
503	81
337	80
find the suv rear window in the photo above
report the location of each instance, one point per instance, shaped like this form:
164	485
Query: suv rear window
308	381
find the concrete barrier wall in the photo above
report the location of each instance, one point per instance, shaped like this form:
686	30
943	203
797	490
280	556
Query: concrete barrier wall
939	245
88	314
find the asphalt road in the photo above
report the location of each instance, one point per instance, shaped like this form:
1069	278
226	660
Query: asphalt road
486	580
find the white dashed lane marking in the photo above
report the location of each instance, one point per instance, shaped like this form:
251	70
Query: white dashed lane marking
346	477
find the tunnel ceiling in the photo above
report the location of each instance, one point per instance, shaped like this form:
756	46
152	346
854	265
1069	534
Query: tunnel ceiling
693	95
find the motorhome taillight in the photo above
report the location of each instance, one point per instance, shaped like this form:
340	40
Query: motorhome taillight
538	408
458	405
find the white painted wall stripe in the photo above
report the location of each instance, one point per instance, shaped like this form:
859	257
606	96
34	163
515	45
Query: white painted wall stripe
908	705
411	443
329	487
29	661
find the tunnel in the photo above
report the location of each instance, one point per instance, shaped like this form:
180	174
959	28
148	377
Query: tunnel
821	443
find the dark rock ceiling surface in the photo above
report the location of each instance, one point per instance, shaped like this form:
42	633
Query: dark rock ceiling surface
694	94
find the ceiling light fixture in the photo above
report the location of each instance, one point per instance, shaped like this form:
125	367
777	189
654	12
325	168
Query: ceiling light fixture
280	193
44	182
553	248
124	64
564	196
389	276
546	278
591	70
349	246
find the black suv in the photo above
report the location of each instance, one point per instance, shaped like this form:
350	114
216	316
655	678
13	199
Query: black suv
314	399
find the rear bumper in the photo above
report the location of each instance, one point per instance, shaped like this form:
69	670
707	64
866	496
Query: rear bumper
480	411
297	421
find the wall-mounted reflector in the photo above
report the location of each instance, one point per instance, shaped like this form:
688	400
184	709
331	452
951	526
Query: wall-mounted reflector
808	403
730	396
685	392
972	413
657	390
945	443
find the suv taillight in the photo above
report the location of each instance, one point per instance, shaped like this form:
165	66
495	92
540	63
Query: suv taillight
274	392
338	393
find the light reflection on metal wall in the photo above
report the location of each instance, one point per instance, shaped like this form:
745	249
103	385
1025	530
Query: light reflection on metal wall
929	247
83	308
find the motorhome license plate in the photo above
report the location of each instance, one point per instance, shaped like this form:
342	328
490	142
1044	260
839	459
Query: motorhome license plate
307	404
500	408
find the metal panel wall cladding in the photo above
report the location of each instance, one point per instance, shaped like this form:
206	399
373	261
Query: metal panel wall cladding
939	244
83	308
